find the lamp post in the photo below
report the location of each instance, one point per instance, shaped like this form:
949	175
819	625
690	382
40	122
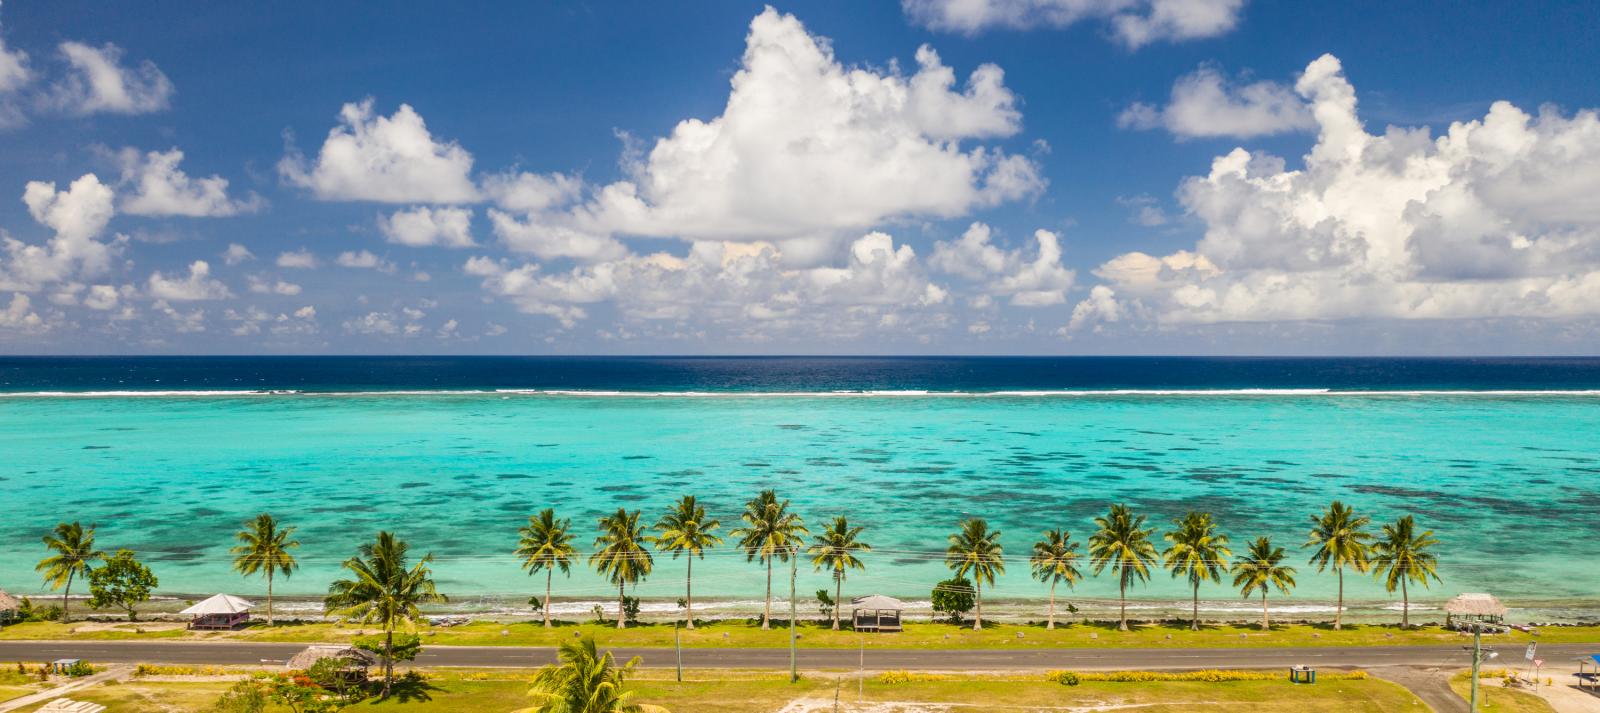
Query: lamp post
794	570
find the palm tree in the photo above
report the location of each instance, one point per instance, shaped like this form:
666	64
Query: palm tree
770	532
586	681
1055	560
1402	555
1341	541
74	550
384	592
1197	552
685	529
976	550
546	545
835	549
1123	543
621	556
1258	569
264	547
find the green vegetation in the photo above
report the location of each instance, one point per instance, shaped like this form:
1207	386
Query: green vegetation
1197	553
621	557
1404	556
770	532
1260	568
976	550
74	550
264	548
1122	542
685	530
1055	560
584	682
1494	695
836	549
123	582
384	592
1340	539
546	545
953	598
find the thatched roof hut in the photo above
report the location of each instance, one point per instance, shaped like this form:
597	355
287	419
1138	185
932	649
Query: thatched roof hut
1475	607
10	607
353	658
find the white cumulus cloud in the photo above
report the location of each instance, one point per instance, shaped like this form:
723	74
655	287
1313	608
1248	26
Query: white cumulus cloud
78	215
196	286
364	260
159	187
387	159
1134	23
423	226
98	82
1026	280
301	259
1206	104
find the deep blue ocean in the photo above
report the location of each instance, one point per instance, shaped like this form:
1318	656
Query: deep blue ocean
169	456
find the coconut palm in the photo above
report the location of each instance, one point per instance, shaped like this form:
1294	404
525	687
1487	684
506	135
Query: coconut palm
621	556
1341	541
1400	556
73	546
383	591
1055	560
1122	542
546	545
264	548
685	529
770	532
835	549
976	550
1196	552
1262	568
586	681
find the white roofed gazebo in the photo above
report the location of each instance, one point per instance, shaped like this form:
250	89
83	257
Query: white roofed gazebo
876	613
220	611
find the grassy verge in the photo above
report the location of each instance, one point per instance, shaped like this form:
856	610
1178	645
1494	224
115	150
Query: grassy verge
916	636
1493	696
748	692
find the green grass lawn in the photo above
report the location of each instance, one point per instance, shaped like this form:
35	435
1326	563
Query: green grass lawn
751	692
916	636
1496	698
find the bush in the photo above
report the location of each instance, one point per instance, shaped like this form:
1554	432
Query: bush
79	670
825	603
894	677
244	697
630	609
32	612
1205	676
953	597
1066	678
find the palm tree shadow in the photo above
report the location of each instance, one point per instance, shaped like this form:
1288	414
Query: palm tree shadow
408	689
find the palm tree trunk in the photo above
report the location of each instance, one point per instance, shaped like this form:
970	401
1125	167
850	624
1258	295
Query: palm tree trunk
1266	624
1194	616
838	595
688	595
269	596
65	612
388	658
548	575
1123	606
977	586
1338	612
766	616
1052	623
622	613
1405	606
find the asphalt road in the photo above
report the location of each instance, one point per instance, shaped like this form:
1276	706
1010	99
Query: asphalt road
220	653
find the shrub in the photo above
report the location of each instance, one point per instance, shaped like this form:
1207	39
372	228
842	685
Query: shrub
1066	678
79	670
894	677
244	697
1204	676
953	597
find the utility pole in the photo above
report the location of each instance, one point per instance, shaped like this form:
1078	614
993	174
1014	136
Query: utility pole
1478	657
861	670
677	649
794	573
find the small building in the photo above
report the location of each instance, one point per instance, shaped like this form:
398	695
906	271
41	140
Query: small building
353	662
1465	611
10	608
876	613
219	611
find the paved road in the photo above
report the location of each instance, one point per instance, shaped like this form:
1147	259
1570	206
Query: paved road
960	660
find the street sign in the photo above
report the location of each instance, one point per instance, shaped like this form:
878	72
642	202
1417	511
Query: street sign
1538	663
1531	647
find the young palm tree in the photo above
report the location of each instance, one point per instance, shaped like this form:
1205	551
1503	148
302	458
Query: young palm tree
1260	568
976	550
1196	552
383	591
685	529
1402	555
1341	541
74	550
1123	543
770	532
546	545
1055	560
621	556
585	681
835	549
264	547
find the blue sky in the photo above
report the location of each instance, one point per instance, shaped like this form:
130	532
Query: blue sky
983	176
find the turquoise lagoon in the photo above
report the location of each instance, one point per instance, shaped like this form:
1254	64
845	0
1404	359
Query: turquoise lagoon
1509	483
